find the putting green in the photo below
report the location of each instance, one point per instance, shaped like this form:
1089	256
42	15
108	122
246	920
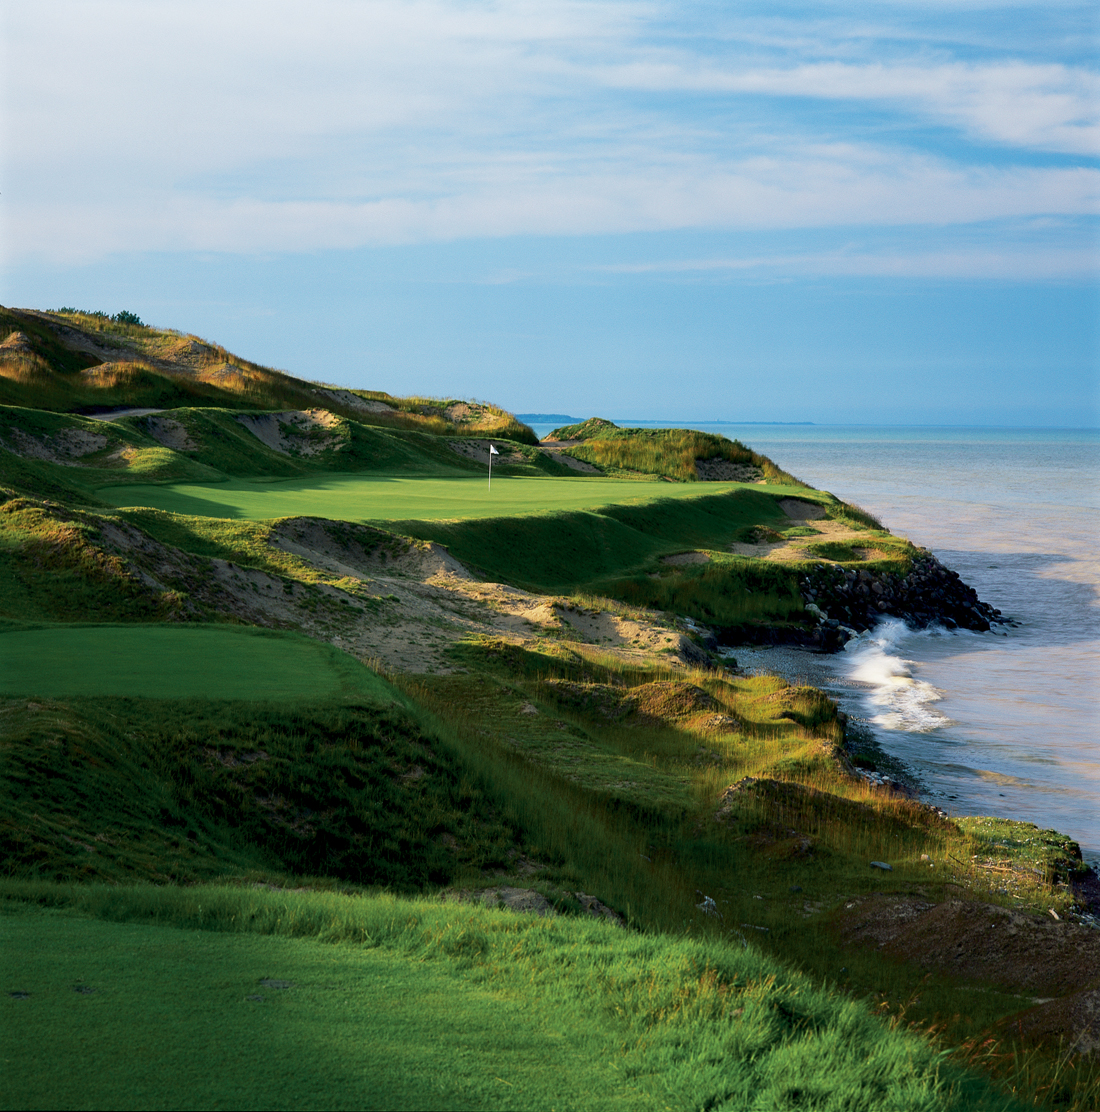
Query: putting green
373	497
177	662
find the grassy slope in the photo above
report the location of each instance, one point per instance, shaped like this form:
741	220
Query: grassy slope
617	552
48	361
537	1014
671	452
186	790
164	789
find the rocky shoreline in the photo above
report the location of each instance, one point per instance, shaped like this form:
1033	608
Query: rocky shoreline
849	601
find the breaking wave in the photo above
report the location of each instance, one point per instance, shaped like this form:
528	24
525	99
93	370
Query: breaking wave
897	700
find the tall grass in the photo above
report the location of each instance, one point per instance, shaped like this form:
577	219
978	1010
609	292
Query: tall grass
694	1023
668	452
721	592
650	859
53	376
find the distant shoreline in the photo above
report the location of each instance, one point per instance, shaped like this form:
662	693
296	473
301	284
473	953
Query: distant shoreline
565	419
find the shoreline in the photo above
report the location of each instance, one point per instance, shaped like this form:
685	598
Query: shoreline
870	758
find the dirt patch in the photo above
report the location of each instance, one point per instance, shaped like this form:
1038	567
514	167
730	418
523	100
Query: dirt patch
16	342
224	374
392	602
685	558
1074	1019
629	636
188	351
787	801
723	470
351	550
794	547
1023	952
599	910
667	699
797	510
609	702
645	705
297	432
110	372
170	434
523	900
529	902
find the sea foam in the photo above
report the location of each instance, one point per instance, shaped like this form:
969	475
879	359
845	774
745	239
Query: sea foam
896	699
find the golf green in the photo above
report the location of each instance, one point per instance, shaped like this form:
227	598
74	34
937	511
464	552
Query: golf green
374	497
176	662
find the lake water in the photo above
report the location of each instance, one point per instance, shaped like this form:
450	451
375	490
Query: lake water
1003	723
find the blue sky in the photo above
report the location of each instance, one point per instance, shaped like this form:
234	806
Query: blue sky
881	212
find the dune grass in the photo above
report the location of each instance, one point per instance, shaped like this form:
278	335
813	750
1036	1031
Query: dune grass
624	794
668	452
178	790
728	591
611	784
162	368
406	1004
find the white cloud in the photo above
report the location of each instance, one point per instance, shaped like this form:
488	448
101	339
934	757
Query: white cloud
823	188
1019	264
135	125
1044	107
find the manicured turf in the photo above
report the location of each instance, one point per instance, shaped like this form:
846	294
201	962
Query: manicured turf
124	1015
374	497
175	662
372	1002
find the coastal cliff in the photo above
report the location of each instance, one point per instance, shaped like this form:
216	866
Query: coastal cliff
847	601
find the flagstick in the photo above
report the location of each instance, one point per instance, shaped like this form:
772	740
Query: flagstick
492	452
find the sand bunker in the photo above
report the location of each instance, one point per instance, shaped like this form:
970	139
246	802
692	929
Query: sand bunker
797	510
479	450
352	401
296	432
169	433
66	447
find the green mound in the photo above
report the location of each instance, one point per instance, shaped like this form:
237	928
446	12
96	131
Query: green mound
177	790
671	453
176	662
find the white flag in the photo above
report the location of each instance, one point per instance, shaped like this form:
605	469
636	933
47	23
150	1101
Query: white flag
492	452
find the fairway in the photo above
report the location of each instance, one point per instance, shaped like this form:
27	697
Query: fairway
374	497
123	1015
177	662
